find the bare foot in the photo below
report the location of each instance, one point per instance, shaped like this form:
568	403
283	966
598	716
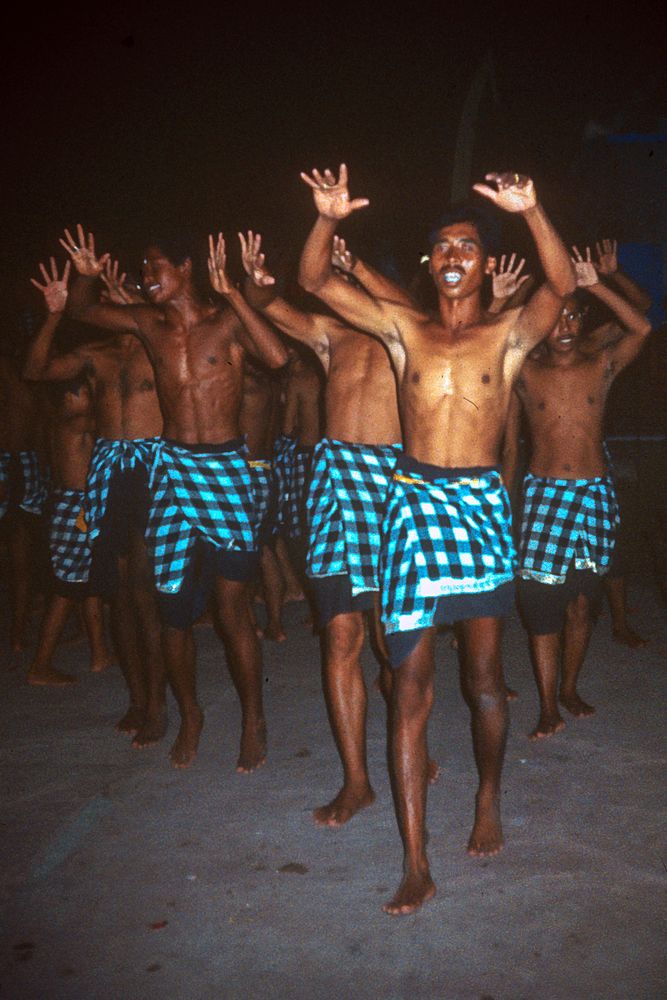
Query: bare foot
99	666
487	834
252	753
132	721
433	771
344	806
576	706
510	694
627	637
184	750
51	676
415	889
273	632
152	730
547	725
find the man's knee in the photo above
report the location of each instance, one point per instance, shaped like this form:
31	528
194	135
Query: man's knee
345	636
578	610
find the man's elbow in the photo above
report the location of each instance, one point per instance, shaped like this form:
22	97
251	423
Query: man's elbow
279	357
309	281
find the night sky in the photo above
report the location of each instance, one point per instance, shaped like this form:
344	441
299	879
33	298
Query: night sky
134	121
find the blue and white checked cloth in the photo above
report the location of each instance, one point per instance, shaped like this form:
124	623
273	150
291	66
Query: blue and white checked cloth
69	543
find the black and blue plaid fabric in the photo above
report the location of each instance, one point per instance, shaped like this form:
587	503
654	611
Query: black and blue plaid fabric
5	464
262	478
445	532
346	501
566	522
69	544
35	489
283	451
296	520
108	458
198	495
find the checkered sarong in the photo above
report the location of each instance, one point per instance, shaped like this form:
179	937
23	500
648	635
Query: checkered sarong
346	501
35	489
446	532
296	521
69	543
262	481
198	495
5	463
283	451
108	458
566	522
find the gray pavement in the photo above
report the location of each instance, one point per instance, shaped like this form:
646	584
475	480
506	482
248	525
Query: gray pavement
122	878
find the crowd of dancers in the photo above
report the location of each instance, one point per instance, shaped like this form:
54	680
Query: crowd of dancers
200	452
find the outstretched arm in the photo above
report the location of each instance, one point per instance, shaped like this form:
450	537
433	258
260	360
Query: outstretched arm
607	267
376	284
515	193
624	349
372	315
260	288
39	364
254	333
84	304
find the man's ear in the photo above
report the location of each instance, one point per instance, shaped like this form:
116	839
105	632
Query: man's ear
490	265
186	267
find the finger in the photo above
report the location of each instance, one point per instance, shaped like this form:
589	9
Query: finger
576	252
614	247
54	269
82	239
588	255
502	264
91	243
359	203
492	177
267	279
599	249
308	180
520	267
511	263
244	245
521	280
68	266
486	191
342	175
44	273
318	178
42	288
104	258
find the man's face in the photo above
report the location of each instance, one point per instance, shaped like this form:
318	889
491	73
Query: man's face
161	279
563	338
458	263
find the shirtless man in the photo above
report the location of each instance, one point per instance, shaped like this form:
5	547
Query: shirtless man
23	487
128	419
201	528
350	475
569	509
447	551
72	435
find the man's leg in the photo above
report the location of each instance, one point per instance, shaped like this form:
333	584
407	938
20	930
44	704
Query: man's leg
147	628
245	666
178	645
273	584
41	671
346	700
411	703
93	617
484	691
123	624
576	636
545	652
616	591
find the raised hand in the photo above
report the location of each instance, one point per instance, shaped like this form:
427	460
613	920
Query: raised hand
217	262
332	198
513	192
607	262
253	259
114	284
584	269
341	257
83	254
506	280
54	288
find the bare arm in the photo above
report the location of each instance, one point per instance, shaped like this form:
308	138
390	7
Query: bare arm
376	284
510	453
607	267
39	364
254	333
517	194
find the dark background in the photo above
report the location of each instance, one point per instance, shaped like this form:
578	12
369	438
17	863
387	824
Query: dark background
138	122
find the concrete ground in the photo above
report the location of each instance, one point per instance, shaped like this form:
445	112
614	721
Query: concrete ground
123	878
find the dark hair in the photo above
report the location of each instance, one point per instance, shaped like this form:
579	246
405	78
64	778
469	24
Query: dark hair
177	249
486	224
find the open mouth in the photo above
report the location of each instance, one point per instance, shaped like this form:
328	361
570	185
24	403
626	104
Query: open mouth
152	289
451	276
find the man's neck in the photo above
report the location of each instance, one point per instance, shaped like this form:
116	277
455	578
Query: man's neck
185	310
456	314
